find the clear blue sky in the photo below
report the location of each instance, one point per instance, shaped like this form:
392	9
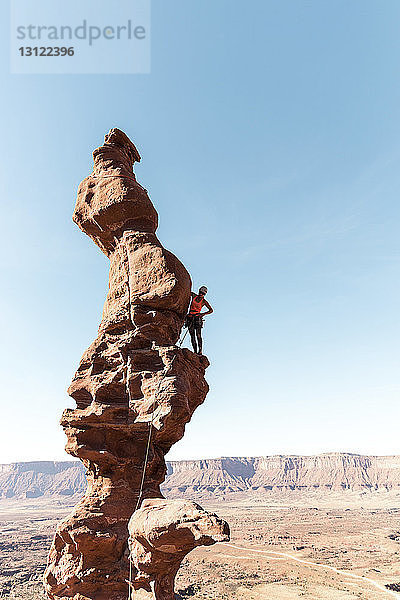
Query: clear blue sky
269	133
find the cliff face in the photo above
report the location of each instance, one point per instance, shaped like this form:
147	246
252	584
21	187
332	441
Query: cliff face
337	471
209	477
35	479
135	390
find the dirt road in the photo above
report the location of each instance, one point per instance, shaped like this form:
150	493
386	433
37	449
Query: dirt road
346	574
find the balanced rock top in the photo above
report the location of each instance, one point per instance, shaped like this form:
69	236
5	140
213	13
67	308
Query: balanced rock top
111	201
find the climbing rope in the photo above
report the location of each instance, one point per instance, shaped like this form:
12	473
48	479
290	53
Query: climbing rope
145	463
183	338
120	176
128	370
146	459
101	229
114	175
130	580
149	437
117	245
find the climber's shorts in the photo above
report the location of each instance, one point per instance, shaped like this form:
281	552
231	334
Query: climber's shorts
194	322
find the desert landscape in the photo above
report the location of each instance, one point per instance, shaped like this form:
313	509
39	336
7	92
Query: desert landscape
120	522
199	315
318	540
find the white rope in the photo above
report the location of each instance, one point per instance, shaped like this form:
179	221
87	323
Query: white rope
117	245
128	371
151	429
130	578
127	366
129	302
101	229
149	437
146	459
182	339
143	478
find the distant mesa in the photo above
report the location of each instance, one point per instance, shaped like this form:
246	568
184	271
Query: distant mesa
212	478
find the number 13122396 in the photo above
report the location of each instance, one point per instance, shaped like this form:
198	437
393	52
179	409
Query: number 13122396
46	51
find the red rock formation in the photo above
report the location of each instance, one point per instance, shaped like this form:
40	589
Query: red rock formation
161	534
131	379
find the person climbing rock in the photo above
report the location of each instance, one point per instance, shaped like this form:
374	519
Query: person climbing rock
194	319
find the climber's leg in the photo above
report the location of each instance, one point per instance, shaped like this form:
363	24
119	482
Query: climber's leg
191	327
194	342
199	341
199	325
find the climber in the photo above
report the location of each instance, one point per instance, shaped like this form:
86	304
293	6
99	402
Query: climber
194	319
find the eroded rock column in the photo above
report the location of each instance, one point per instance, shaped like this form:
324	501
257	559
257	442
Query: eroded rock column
131	376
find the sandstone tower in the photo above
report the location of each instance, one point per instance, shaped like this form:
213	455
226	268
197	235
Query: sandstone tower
135	390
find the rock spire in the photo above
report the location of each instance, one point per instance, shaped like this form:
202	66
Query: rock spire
134	389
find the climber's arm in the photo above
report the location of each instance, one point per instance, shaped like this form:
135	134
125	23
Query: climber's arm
210	308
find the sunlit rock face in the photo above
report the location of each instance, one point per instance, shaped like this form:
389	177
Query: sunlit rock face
161	534
131	379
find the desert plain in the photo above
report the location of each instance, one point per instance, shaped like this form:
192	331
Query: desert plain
336	546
